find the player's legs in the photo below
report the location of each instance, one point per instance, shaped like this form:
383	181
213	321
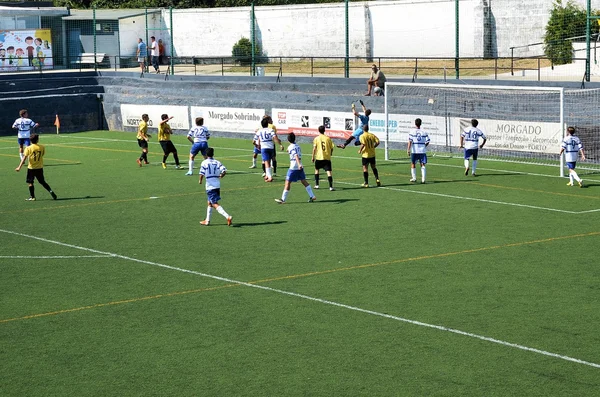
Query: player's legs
40	177
165	148
267	155
193	152
573	174
330	180
375	172
221	211
311	195
176	157
474	163
365	170
316	178
274	161
254	156
423	161
286	191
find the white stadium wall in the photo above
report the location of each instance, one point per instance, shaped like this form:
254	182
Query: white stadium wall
400	28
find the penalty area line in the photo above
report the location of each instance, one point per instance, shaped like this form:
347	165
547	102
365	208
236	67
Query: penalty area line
322	301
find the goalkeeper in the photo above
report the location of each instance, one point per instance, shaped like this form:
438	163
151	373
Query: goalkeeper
363	120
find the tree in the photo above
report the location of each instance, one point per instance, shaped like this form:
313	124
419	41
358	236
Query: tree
566	23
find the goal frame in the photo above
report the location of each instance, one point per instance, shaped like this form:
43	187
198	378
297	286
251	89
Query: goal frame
559	90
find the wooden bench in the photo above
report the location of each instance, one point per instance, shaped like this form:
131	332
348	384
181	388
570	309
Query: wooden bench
87	58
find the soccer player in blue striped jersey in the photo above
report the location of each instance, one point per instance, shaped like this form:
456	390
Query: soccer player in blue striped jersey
266	139
418	140
295	172
24	125
571	146
199	137
469	140
213	171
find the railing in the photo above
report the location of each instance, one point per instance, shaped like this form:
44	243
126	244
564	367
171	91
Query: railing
415	67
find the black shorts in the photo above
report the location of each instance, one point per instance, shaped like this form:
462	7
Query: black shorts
168	147
368	160
37	173
143	143
323	164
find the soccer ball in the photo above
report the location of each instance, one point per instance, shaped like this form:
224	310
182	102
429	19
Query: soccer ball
377	90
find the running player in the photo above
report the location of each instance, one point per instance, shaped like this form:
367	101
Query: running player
295	172
24	125
571	147
266	139
213	171
35	167
199	137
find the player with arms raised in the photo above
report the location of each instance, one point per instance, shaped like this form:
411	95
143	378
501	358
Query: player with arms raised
199	137
321	156
362	120
469	140
266	140
418	140
571	146
213	171
295	172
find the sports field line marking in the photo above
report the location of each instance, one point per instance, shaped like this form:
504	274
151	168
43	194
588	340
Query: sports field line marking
469	198
52	257
318	300
348	157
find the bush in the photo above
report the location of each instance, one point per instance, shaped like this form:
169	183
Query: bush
565	23
242	52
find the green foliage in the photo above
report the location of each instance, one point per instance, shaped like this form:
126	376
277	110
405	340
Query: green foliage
242	51
565	24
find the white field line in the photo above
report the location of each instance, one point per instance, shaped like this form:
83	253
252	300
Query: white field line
318	300
468	198
249	150
53	257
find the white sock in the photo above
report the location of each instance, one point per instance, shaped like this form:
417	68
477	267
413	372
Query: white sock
577	178
191	163
221	211
423	173
21	156
571	178
254	161
208	213
284	195
466	163
310	192
474	166
413	173
268	172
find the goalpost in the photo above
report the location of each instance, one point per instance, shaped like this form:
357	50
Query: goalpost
523	124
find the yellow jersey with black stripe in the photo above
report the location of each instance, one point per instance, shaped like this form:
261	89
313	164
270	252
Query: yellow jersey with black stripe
164	132
324	147
35	156
370	142
142	130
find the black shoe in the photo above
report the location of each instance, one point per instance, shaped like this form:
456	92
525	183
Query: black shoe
53	195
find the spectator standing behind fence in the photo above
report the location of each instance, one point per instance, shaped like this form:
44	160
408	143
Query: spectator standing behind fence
142	53
154	52
377	81
161	52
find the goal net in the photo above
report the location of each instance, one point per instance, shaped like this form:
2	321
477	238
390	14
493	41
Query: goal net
523	124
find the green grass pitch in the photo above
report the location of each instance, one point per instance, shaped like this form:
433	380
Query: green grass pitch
462	286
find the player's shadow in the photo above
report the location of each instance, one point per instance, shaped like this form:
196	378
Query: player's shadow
257	223
79	198
336	201
60	165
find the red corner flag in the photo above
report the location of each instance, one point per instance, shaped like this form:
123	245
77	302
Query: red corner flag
57	123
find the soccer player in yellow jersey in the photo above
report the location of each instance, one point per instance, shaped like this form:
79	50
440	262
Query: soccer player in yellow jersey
164	137
35	168
368	143
321	156
142	138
